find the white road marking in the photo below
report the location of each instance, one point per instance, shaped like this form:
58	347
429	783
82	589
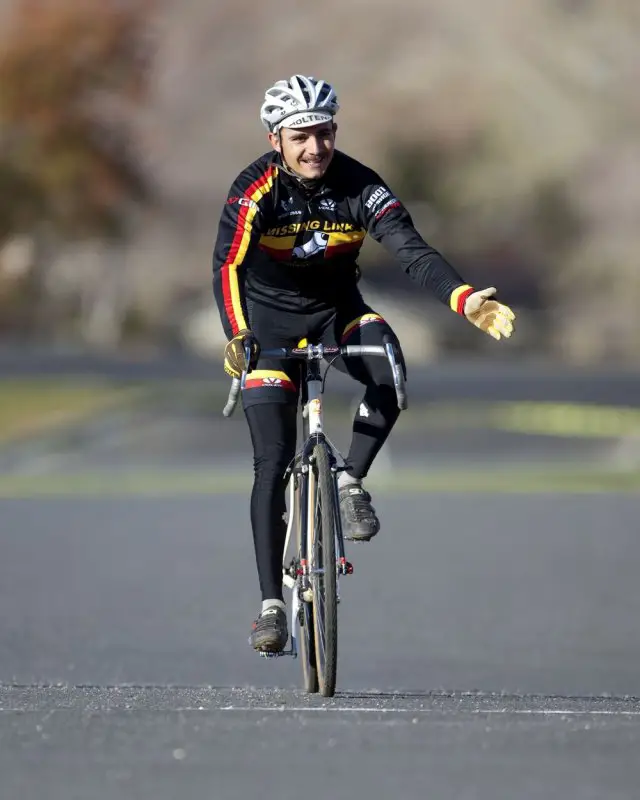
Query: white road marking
414	711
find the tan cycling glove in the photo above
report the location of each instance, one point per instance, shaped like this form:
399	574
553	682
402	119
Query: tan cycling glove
490	316
234	357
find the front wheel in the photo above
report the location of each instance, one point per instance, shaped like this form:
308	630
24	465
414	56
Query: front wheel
306	635
307	648
323	571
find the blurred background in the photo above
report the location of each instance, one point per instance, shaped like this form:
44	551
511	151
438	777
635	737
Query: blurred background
510	130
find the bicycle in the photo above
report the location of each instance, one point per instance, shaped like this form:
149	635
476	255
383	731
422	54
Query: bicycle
319	558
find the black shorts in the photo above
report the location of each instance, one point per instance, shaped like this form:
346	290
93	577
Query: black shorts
352	322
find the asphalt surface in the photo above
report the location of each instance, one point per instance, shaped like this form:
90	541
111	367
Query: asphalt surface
488	649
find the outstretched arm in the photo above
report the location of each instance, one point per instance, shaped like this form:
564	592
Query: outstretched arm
388	222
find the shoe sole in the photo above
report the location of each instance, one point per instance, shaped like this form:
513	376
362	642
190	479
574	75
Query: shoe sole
359	538
269	646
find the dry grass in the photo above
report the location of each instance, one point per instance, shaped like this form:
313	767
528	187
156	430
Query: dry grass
31	407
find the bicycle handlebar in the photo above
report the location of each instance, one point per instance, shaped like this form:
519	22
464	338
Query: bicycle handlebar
316	352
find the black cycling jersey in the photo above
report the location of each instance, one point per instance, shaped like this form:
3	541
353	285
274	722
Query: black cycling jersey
296	250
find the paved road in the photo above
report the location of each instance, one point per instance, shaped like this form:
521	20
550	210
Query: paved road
489	649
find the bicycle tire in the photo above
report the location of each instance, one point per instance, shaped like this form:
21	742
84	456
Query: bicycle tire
323	573
306	635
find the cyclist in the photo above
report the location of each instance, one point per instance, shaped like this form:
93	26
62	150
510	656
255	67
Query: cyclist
285	269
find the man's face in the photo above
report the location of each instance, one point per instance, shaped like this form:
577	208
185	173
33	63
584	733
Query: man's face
307	151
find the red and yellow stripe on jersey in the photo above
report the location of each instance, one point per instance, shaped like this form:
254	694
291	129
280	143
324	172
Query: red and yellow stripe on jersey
279	248
238	250
344	242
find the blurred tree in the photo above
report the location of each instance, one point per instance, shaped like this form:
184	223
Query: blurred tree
68	71
421	170
72	74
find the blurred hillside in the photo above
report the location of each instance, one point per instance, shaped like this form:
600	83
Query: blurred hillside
511	130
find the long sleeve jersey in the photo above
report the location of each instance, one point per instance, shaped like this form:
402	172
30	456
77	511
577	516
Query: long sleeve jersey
295	250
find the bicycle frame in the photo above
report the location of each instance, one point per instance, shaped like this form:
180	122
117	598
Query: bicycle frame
297	575
302	509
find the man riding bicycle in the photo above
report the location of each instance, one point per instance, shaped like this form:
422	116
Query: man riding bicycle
285	269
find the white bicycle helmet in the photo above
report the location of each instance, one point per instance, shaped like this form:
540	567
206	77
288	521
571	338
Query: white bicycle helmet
298	103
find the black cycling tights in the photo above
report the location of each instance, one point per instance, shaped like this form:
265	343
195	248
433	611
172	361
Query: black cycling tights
273	433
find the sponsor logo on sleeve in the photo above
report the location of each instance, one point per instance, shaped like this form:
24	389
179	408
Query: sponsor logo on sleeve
388	206
381	201
241	201
378	196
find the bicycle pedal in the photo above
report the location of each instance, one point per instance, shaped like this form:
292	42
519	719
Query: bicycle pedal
267	654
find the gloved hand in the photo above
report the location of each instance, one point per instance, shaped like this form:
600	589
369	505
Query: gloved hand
490	316
234	357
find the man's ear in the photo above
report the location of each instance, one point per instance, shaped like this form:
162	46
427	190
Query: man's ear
274	138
